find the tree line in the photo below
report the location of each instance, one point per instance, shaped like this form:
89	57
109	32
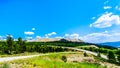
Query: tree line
20	46
112	55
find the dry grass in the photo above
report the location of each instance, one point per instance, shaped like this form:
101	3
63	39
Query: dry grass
74	60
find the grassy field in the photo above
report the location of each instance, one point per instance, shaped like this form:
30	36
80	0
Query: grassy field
74	60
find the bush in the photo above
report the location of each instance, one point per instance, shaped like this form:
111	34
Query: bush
98	55
64	58
85	54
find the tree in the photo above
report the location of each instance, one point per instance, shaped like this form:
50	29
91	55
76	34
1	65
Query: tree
24	45
10	43
21	44
118	58
20	41
17	48
111	56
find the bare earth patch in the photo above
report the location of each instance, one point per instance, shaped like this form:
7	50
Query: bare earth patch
89	59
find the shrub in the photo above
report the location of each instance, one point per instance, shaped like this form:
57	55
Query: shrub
118	58
85	54
98	55
64	58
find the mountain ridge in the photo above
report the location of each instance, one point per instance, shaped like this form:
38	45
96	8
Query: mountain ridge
114	44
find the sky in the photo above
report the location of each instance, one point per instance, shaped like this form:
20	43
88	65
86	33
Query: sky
93	21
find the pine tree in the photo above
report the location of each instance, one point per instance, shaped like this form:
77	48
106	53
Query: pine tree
111	56
10	43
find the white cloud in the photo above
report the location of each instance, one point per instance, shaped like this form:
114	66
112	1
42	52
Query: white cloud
38	37
9	35
74	36
53	33
93	18
107	7
29	38
102	37
50	34
1	37
67	35
106	2
106	31
33	29
106	20
59	37
29	33
117	8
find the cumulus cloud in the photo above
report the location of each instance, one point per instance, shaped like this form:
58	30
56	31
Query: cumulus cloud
50	34
102	37
29	33
107	7
117	8
106	20
74	36
33	29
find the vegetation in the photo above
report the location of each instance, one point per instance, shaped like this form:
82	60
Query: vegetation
53	61
111	56
11	47
118	57
20	46
64	58
85	54
99	55
100	50
5	65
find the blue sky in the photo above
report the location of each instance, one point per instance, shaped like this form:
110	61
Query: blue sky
89	20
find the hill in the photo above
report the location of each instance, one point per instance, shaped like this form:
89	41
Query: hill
113	44
55	39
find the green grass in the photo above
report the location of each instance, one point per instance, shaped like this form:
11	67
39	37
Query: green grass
52	61
56	64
